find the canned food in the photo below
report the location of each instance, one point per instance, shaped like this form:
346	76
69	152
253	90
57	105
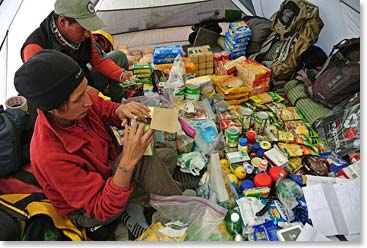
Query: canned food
192	92
247	116
217	97
180	93
260	121
221	106
232	135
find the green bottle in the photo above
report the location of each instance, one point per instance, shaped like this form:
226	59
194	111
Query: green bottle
233	223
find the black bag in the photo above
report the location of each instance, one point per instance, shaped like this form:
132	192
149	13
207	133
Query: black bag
339	77
15	135
260	30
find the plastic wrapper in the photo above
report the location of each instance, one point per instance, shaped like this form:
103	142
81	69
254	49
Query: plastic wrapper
177	75
195	110
192	162
266	97
266	232
200	219
341	130
288	192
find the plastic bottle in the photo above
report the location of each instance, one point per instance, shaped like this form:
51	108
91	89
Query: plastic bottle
242	145
233	223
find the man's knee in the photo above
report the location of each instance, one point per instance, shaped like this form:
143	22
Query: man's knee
169	158
119	58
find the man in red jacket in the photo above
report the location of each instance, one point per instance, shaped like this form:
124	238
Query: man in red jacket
72	154
68	29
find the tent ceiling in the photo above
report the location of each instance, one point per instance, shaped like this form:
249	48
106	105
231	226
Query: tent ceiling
160	16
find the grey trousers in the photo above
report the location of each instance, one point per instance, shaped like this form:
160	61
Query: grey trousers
100	81
153	174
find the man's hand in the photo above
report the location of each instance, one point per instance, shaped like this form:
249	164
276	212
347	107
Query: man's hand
135	144
133	110
125	76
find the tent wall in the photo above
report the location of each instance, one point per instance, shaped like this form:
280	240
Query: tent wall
340	20
27	19
137	17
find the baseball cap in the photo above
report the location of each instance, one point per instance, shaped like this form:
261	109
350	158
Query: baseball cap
81	10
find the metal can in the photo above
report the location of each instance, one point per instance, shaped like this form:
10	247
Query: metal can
192	92
180	93
247	116
221	106
217	97
232	136
260	121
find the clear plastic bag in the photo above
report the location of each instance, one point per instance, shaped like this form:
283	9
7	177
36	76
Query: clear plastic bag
177	75
200	217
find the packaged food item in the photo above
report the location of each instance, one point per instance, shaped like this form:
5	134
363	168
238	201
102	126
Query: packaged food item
316	166
266	97
266	232
259	192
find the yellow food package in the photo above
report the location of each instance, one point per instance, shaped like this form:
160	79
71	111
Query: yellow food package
153	234
228	85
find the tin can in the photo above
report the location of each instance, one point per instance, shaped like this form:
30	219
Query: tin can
160	88
260	121
217	97
192	92
232	135
221	106
247	116
180	93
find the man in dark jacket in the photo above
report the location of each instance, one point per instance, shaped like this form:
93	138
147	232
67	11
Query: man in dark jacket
68	29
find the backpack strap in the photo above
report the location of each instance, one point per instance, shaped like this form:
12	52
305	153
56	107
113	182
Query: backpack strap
27	177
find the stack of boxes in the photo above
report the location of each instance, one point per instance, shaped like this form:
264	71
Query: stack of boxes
237	38
166	54
254	75
202	57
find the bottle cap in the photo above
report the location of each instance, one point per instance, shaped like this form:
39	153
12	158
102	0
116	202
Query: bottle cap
262	180
260	153
235	217
243	141
246	184
255	146
275	171
251	135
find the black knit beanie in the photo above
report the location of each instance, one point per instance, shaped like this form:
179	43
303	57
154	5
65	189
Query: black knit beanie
48	78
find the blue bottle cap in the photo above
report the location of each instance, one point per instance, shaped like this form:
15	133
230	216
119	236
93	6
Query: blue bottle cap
256	146
243	141
260	153
246	184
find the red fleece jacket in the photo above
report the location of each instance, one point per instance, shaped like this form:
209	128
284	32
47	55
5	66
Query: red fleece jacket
73	164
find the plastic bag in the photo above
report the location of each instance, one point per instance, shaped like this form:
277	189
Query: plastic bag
200	217
177	75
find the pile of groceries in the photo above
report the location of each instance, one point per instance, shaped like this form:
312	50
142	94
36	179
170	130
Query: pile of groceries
264	173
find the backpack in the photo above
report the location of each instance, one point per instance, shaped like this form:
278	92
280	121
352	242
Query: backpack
296	26
16	132
339	78
31	217
260	30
